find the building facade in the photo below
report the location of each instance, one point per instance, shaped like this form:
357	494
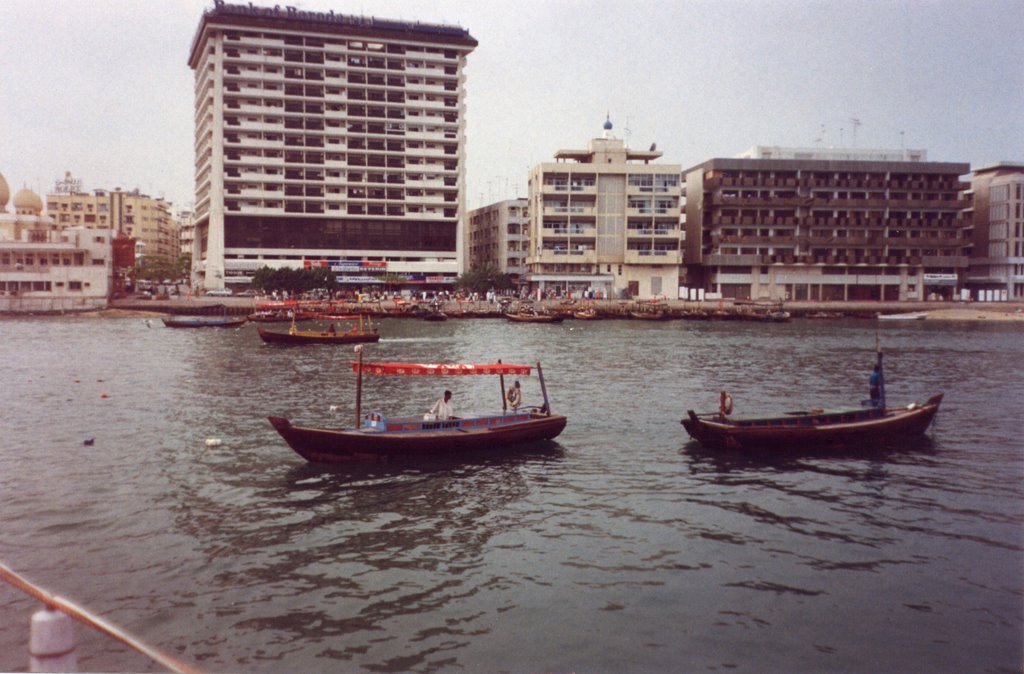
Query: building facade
997	258
44	268
605	220
146	219
499	235
828	225
330	140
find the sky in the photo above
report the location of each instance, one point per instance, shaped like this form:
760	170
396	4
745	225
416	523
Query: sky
103	89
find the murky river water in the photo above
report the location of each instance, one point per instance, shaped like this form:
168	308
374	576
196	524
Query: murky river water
622	547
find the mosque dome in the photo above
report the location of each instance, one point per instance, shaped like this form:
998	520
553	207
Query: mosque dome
27	201
607	123
5	193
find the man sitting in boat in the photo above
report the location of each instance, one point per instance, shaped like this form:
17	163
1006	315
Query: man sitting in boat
514	397
443	409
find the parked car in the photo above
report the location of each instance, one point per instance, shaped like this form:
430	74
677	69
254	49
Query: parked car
248	293
219	292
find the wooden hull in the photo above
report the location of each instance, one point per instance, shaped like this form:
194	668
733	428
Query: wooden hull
534	318
325	445
816	429
585	315
203	322
649	316
307	337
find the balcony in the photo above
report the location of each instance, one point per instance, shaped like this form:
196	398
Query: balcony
652	257
568	256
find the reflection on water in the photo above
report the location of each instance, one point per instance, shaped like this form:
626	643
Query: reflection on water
623	546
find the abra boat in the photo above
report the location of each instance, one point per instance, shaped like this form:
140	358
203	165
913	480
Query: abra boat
870	424
377	436
358	333
534	317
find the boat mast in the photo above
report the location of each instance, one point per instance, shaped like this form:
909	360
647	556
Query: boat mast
359	384
881	372
543	389
501	383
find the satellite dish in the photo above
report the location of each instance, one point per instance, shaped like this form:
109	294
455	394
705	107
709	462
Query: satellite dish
653	146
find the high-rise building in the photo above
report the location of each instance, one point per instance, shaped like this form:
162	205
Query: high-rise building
817	224
498	236
328	139
605	220
997	258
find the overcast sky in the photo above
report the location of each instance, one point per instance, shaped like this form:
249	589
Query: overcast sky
102	88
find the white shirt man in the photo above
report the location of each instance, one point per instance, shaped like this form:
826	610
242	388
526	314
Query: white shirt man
443	409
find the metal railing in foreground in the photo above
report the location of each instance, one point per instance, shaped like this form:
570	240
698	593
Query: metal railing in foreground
57	640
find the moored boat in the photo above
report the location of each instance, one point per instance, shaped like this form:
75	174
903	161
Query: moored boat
203	322
911	316
870	424
377	436
534	317
587	314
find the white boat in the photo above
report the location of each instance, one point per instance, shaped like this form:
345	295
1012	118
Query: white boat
912	316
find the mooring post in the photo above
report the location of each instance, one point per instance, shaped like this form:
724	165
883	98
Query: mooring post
51	644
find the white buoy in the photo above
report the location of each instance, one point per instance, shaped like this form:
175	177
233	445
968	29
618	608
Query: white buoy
333	408
52	642
213	442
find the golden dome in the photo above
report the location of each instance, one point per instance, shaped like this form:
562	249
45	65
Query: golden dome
27	201
5	193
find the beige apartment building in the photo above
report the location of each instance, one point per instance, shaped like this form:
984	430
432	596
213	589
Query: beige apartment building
328	139
997	258
499	235
827	224
146	219
605	221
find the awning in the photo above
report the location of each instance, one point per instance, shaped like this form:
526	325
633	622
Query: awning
441	368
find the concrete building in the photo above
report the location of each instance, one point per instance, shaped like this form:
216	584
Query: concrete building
499	235
146	219
606	220
997	258
186	224
328	139
44	268
801	224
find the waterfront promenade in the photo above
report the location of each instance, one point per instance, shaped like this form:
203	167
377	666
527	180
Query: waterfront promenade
609	309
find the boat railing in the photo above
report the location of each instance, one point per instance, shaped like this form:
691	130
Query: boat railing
428	422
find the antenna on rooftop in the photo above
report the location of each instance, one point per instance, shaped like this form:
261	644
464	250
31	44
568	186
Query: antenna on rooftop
855	122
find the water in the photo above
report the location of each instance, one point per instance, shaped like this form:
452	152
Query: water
620	547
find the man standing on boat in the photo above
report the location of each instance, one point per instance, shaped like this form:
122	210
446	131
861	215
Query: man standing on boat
443	409
514	397
875	387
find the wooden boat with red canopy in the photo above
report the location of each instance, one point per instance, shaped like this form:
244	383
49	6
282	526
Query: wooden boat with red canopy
358	333
871	424
376	436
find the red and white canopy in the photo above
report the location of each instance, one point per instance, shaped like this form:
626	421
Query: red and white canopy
441	368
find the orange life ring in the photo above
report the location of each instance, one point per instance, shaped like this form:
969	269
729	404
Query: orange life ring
725	404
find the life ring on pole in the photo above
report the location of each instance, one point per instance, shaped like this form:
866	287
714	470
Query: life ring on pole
724	404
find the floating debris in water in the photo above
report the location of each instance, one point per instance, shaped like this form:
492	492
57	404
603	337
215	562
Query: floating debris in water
89	442
213	442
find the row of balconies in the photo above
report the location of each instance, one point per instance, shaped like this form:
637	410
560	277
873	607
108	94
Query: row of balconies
951	202
592	211
861	241
926	261
811	181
